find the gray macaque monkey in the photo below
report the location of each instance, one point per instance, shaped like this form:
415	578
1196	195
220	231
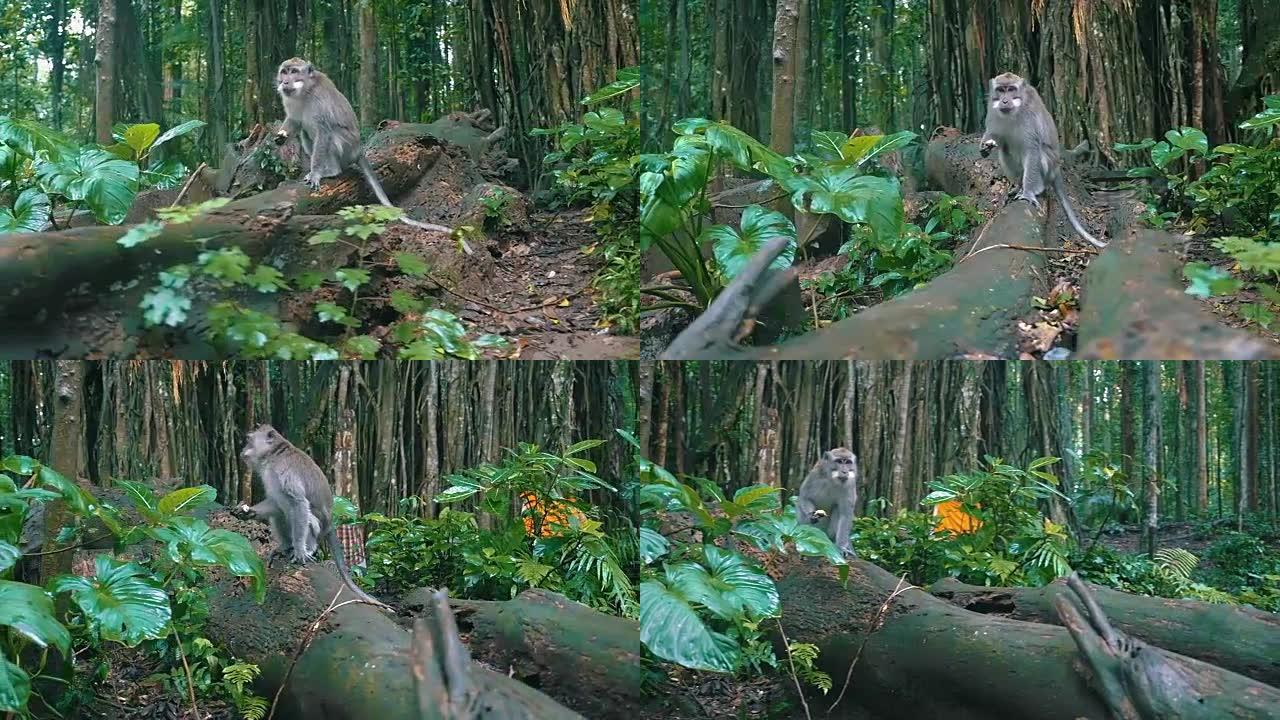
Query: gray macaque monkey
299	503
831	490
1020	127
326	126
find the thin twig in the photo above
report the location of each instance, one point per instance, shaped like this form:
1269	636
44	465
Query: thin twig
191	682
898	590
799	691
1034	248
73	547
187	185
307	637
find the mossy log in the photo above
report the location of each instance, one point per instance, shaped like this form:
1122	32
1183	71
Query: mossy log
907	654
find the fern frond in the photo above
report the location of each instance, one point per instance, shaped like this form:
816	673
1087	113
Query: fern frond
1178	562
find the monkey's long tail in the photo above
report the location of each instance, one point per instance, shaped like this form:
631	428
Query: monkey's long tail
339	559
372	179
1071	214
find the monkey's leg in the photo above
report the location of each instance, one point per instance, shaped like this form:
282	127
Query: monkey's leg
323	162
1032	180
300	520
843	525
313	536
280	536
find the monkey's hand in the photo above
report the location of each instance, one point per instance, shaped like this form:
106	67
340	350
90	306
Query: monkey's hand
817	515
244	512
987	146
281	137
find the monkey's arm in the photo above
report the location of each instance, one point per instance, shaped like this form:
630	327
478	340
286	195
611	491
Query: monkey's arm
287	128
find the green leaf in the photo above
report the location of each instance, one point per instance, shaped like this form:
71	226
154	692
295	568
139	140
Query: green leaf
1163	153
15	686
141	136
164	306
628	80
189	540
229	264
652	545
121	601
30	213
9	554
140	233
265	279
28	610
351	278
1257	313
178	131
325	237
672	630
364	347
104	182
726	584
29	137
1207	280
405	303
331	312
856	199
187	499
733	250
1190	139
411	264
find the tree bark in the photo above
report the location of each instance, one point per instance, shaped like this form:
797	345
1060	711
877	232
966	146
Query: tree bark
368	65
1151	447
1238	638
782	111
907	653
104	108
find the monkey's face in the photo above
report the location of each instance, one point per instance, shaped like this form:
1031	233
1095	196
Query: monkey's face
293	77
259	442
842	465
1006	94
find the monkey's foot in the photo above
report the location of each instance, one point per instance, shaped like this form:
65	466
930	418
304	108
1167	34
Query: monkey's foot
313	179
1035	203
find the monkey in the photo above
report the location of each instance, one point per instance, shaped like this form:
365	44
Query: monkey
326	126
831	488
299	503
1024	133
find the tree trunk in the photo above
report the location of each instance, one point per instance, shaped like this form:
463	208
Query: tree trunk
922	657
1238	638
104	109
368	70
1151	447
782	111
215	92
1202	441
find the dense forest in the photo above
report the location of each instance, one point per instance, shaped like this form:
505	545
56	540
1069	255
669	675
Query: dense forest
506	486
139	139
850	129
1019	528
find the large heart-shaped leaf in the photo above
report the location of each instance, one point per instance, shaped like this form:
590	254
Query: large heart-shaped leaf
189	539
121	600
104	182
652	545
1189	138
857	199
672	630
30	213
29	611
726	584
734	248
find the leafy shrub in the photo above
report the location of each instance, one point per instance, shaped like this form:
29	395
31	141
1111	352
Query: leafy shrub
1241	188
838	179
420	333
594	162
702	604
575	557
159	605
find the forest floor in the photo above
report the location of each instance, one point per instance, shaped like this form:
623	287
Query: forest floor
548	262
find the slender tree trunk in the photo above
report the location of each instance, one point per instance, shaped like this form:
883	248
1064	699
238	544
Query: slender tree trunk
368	65
644	415
66	457
215	92
782	113
902	400
1202	441
104	111
1151	445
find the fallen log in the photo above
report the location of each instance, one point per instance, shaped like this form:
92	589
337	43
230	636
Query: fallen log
40	270
1134	307
1187	627
895	651
586	660
361	664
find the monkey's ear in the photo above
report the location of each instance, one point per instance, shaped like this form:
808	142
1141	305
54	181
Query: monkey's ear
311	70
826	455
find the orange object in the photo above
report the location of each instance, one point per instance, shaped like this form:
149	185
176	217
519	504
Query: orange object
953	519
554	514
